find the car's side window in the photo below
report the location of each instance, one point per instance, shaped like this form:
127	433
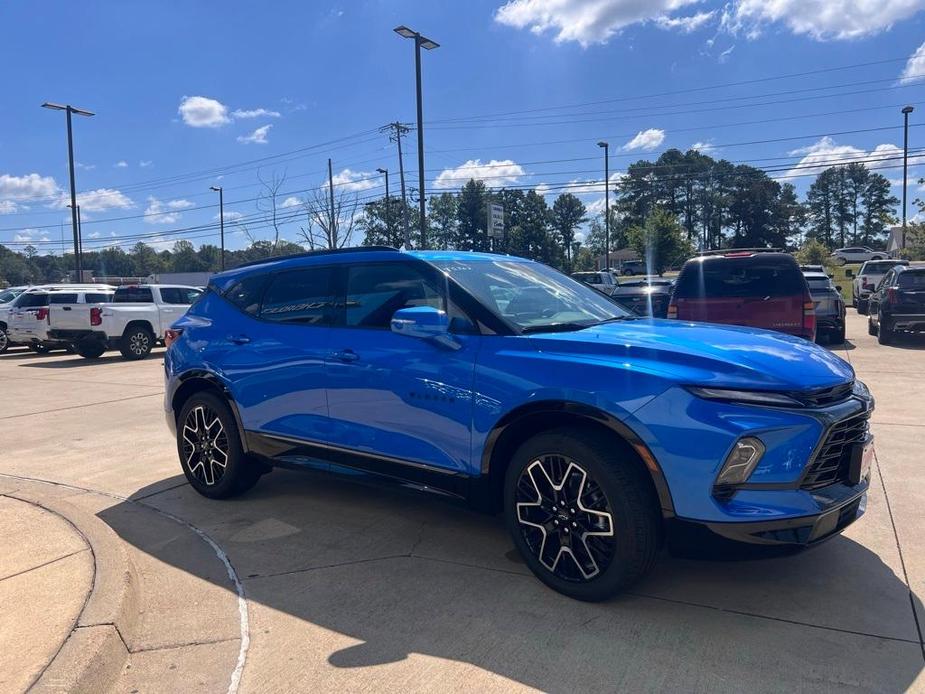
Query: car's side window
303	296
375	292
247	293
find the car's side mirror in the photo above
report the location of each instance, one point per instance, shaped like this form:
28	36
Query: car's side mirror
425	323
838	287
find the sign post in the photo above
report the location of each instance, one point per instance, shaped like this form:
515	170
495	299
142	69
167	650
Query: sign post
495	222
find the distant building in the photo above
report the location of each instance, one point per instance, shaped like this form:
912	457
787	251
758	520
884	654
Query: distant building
616	258
190	279
894	242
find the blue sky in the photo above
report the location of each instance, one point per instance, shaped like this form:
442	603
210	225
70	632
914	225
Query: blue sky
193	94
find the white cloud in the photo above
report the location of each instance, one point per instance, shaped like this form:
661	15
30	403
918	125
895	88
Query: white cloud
94	235
230	216
826	153
819	19
915	66
645	140
495	173
291	201
685	25
203	112
25	187
258	137
254	113
96	200
121	164
594	21
145	163
707	148
158	212
85	167
351	181
8	207
31	236
724	56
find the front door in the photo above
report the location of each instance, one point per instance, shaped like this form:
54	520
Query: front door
396	396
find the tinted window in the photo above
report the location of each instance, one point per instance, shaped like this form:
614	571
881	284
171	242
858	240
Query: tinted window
914	280
62	298
8	296
91	298
179	295
818	282
376	292
31	300
301	296
739	277
133	295
246	294
879	266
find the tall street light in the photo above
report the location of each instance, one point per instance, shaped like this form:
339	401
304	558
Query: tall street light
606	148
221	218
388	214
906	111
80	238
419	43
67	108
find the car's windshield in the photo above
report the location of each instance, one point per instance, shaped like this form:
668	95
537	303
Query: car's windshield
9	295
879	267
532	296
912	280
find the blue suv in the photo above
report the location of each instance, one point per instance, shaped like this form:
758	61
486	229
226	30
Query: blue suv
600	435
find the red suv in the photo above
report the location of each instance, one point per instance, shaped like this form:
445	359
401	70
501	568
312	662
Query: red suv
745	287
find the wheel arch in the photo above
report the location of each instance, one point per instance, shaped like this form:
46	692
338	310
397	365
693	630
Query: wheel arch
193	382
138	323
525	421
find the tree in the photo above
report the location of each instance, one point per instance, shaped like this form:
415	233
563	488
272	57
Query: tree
381	223
532	237
568	213
879	204
326	227
443	223
661	241
813	253
821	204
472	216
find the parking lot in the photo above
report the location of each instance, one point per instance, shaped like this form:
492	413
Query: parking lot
348	587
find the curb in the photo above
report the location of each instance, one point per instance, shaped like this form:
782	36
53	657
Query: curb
94	653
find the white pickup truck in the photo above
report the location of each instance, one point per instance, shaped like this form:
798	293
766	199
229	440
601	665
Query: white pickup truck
133	322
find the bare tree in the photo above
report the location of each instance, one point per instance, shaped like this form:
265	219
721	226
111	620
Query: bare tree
326	227
268	203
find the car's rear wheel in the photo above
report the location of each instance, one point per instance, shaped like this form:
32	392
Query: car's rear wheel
39	348
209	446
581	513
91	349
884	334
136	343
4	341
871	328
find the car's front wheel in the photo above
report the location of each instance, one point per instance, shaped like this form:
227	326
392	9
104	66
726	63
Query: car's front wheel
210	451
4	341
840	261
582	513
863	307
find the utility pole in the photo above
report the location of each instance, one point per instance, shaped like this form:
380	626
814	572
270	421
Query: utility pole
68	109
221	219
388	212
906	111
396	132
332	232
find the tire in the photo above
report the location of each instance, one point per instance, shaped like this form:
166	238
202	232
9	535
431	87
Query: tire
871	328
207	432
863	307
136	343
39	348
4	341
599	491
838	335
884	334
854	301
841	261
877	257
91	349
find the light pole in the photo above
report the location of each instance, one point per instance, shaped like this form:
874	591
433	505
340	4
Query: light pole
419	43
606	148
67	108
906	111
221	219
388	213
80	242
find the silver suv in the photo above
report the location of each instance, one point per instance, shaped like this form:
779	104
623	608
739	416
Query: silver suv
867	279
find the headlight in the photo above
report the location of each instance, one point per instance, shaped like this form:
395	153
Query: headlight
741	462
747	397
860	389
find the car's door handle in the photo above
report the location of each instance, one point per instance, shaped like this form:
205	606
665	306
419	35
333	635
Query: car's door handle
346	356
239	339
65	308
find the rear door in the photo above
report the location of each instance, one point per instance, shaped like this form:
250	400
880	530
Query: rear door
910	293
756	291
174	303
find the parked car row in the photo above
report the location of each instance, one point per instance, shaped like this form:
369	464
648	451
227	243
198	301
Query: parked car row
91	318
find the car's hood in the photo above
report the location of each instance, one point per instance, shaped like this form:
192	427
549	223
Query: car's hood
705	354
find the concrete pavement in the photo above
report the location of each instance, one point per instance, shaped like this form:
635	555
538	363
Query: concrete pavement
360	588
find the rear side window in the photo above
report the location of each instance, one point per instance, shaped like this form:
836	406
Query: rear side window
739	277
247	293
133	295
62	298
376	292
301	296
913	280
32	300
92	298
179	295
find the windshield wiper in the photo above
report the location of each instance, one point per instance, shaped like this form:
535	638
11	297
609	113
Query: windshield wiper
555	327
629	316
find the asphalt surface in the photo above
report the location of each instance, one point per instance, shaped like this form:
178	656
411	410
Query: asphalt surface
351	587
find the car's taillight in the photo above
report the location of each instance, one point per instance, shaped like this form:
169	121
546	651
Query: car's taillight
96	316
809	318
865	284
41	314
672	309
892	296
171	335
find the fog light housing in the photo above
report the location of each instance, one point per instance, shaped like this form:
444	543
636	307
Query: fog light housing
740	462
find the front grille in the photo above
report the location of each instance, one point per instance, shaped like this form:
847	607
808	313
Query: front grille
825	396
833	460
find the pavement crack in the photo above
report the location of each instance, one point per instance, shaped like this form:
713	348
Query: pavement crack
160	491
309	569
188	644
80	407
43	564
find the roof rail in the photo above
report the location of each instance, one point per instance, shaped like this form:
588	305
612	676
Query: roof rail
725	251
312	254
